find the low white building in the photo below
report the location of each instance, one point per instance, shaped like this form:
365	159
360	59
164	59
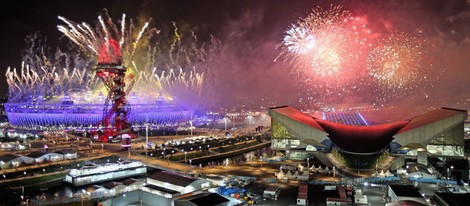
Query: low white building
132	184
177	182
42	157
114	188
68	154
9	161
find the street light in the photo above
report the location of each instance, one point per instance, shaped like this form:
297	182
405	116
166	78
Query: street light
449	172
191	127
185	153
190	161
308	163
225	122
146	138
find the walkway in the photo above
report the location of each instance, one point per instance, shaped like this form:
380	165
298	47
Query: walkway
175	166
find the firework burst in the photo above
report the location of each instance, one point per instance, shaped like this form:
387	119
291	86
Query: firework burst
172	66
326	43
326	50
105	37
397	62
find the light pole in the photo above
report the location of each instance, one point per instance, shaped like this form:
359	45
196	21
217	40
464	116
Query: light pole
91	147
22	193
226	166
185	153
449	172
233	121
146	139
225	122
250	120
191	127
308	163
190	161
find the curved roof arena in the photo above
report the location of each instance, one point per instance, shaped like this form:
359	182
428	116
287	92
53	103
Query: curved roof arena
370	139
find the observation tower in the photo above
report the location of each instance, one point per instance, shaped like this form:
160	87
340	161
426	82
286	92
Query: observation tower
112	73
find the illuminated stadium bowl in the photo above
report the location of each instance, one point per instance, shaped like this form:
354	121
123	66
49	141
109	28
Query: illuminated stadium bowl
70	115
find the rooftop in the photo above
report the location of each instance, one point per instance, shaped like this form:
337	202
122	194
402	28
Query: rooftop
65	151
431	117
162	189
344	128
405	191
298	116
129	181
376	136
208	199
111	185
8	157
36	154
405	203
173	178
454	199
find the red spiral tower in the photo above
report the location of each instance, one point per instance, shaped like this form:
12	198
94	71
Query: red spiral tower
112	72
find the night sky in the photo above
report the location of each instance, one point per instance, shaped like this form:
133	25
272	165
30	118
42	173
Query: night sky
251	29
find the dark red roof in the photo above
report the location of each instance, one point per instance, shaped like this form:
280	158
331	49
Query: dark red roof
298	116
431	117
361	139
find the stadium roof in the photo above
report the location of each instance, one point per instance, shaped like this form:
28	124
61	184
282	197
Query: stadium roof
376	136
369	139
430	117
298	116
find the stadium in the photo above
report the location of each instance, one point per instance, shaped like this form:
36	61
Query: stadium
68	114
347	138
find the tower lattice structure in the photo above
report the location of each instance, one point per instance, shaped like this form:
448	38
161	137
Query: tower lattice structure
112	72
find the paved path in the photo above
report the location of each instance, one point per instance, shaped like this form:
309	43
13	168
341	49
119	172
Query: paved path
176	166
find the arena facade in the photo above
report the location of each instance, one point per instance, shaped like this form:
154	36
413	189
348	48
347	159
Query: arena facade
439	132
